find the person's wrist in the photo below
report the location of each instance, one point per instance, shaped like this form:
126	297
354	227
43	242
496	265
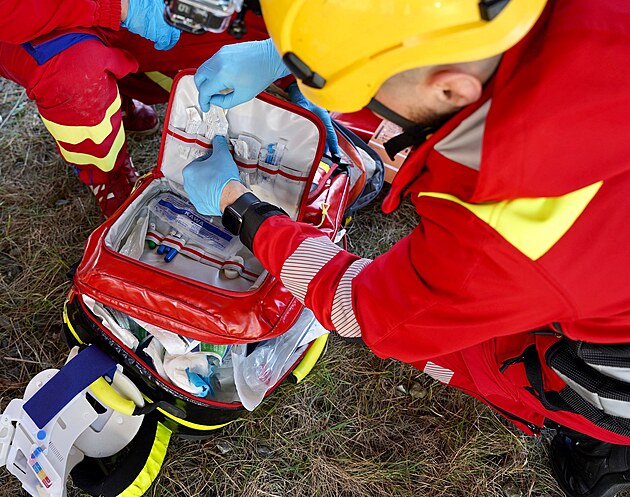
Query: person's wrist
279	69
124	10
231	192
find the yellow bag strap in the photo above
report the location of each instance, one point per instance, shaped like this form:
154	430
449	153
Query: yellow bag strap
132	475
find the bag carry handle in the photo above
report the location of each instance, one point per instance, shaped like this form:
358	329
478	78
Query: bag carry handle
132	475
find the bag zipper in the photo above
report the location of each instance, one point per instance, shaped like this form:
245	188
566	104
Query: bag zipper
534	428
510	362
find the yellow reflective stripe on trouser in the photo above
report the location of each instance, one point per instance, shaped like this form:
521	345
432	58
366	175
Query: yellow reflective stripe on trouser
153	465
77	134
105	163
160	79
532	225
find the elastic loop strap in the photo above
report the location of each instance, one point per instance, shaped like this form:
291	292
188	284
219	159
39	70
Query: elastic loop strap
254	217
83	370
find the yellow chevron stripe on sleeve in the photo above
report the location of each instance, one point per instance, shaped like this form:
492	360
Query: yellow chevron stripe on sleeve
76	134
531	225
104	164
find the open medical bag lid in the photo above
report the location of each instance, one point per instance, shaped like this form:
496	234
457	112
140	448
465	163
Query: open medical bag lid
215	312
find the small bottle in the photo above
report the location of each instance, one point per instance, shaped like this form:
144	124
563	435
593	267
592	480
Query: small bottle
267	170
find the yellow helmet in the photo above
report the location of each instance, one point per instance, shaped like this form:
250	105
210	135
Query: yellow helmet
343	50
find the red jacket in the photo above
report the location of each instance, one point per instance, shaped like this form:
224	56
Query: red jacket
26	20
536	236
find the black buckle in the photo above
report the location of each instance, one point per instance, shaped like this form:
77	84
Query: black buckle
489	9
162	404
298	67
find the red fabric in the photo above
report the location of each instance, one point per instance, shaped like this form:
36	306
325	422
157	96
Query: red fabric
454	292
363	123
25	20
78	85
193	308
53	86
574	104
277	238
190	52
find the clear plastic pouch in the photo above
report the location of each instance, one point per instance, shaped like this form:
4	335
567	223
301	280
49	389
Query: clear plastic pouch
134	244
246	151
288	185
168	212
259	371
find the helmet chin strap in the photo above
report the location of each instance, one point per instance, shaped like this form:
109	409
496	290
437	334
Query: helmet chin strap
414	134
389	114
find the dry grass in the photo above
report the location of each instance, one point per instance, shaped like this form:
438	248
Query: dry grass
346	431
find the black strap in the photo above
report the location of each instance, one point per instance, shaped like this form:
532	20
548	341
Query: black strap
393	116
549	399
415	135
489	9
564	358
254	217
109	477
567	399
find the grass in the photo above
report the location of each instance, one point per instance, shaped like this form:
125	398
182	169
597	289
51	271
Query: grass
349	430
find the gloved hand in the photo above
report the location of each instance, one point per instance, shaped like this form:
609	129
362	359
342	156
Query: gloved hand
206	176
146	18
331	137
246	68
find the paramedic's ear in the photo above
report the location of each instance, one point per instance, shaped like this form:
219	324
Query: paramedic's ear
455	87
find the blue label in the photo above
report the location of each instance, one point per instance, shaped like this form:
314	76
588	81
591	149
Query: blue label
197	220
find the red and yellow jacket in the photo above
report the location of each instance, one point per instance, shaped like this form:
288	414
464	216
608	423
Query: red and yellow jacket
523	208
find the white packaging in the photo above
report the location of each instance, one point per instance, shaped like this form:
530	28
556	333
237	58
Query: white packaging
193	120
216	122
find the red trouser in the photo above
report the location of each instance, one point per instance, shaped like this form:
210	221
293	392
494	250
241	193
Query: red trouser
496	372
77	89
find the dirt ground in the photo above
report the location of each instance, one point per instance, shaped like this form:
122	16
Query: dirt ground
358	426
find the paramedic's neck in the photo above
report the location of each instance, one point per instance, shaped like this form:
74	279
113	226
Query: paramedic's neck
232	191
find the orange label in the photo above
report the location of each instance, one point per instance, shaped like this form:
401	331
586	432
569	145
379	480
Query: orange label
385	131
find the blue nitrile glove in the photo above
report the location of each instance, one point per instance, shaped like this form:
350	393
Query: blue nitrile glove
331	137
206	176
246	68
146	18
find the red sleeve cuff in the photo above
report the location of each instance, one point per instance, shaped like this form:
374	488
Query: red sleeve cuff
109	14
277	238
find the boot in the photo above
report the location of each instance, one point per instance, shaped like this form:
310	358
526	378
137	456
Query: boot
586	467
111	193
138	118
